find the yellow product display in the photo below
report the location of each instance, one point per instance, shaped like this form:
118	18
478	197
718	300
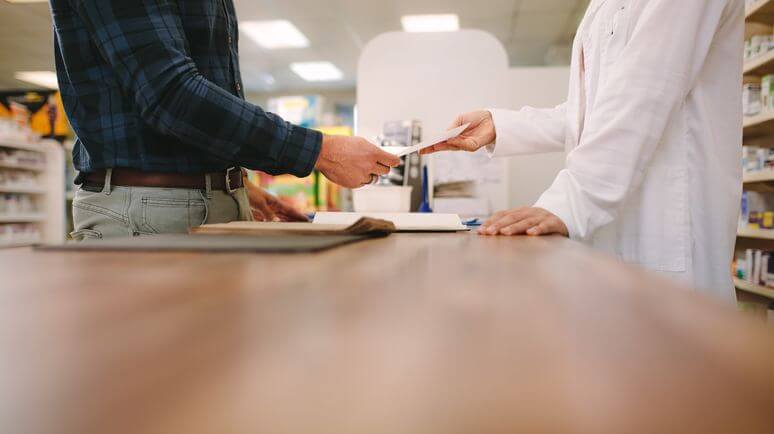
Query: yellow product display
40	122
39	116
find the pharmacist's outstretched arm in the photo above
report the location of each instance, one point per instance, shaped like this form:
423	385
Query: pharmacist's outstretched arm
507	132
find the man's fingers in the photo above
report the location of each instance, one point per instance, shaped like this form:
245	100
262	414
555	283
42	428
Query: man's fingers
258	215
286	212
380	169
290	214
261	204
386	159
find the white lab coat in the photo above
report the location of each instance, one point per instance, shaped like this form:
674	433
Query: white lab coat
652	130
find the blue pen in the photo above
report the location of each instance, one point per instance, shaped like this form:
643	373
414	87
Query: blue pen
425	206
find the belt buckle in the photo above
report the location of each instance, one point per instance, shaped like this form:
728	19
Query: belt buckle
230	190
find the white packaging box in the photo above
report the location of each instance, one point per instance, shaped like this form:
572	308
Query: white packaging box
376	198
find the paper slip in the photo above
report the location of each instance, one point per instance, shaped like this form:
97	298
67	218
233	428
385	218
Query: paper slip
404	222
403	151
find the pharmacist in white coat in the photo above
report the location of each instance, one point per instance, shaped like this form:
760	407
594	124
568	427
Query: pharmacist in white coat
652	130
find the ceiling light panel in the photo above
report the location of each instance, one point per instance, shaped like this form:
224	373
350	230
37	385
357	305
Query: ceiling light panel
274	35
317	71
45	79
431	23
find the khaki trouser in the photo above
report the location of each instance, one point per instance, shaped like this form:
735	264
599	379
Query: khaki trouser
135	211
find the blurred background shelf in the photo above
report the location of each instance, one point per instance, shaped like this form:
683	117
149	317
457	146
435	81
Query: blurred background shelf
756	234
756	177
761	12
32	192
761	65
22	218
759	125
18	166
750	288
22	190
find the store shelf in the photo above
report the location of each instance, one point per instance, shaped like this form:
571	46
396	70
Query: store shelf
761	12
17	244
759	125
758	234
22	218
22	190
17	166
26	146
748	287
761	65
756	177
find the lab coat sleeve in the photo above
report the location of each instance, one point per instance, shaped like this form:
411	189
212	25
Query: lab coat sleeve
528	131
645	87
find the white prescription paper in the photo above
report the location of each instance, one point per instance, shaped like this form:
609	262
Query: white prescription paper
404	222
403	151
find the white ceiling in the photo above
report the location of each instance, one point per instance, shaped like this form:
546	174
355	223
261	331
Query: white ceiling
535	32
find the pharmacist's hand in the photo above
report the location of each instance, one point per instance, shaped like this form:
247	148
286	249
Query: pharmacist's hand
524	221
480	133
353	162
268	208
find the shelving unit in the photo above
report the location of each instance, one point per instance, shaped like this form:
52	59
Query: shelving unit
27	167
758	177
761	12
757	131
751	288
47	222
761	65
22	218
756	234
759	126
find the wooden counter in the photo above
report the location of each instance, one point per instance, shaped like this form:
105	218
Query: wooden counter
413	334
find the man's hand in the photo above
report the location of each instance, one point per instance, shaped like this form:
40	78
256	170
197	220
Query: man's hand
529	221
480	133
268	208
352	162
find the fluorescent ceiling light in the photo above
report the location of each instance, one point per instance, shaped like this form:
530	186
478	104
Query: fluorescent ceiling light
431	23
317	71
26	1
39	78
274	35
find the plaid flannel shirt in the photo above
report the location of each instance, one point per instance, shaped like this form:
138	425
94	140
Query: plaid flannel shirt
155	85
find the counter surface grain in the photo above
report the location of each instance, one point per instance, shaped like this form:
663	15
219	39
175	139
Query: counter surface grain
414	334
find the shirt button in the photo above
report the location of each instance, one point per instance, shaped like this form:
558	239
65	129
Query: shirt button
229	39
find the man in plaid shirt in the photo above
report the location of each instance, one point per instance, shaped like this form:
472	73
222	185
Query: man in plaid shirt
153	91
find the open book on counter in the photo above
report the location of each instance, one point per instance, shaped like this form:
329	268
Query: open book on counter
332	223
361	226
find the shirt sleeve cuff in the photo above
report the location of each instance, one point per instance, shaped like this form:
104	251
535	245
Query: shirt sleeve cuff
301	151
491	149
555	202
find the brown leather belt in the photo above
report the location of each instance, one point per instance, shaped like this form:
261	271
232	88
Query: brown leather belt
227	180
